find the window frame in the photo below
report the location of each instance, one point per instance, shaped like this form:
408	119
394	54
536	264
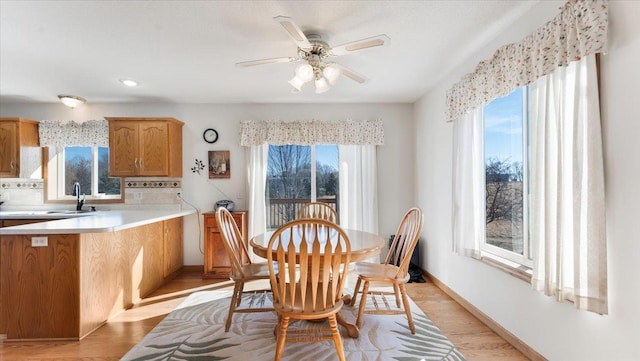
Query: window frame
506	258
53	179
313	194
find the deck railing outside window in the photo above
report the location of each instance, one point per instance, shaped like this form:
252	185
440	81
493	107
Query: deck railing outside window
281	211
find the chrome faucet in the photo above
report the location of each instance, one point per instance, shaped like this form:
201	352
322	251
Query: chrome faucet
76	192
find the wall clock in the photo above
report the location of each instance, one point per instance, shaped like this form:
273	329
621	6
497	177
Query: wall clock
210	135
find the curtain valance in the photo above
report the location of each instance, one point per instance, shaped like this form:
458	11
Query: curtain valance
579	30
60	133
307	132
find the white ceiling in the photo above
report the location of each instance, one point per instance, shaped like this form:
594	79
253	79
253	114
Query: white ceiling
185	51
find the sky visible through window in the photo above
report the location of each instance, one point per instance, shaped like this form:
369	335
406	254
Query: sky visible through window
503	128
82	152
327	154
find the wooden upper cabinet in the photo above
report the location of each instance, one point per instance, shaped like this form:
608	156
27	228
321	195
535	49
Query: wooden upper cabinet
15	133
123	148
145	147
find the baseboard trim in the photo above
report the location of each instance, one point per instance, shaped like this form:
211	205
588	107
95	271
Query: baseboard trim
488	321
192	268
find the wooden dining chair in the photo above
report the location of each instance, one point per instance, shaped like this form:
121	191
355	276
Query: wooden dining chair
393	272
242	270
310	279
318	210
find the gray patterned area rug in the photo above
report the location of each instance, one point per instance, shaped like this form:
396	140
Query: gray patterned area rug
195	331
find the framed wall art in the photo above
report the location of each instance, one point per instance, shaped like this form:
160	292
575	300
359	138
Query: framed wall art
219	164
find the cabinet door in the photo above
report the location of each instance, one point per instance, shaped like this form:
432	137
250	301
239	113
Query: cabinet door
123	148
154	149
173	246
216	257
216	261
9	159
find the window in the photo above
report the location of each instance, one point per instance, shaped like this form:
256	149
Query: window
297	175
89	166
506	187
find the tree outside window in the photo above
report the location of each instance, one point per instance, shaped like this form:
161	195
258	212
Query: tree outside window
90	167
505	182
293	179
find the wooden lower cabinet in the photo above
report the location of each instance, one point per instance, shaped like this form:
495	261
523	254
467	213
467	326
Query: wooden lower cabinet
216	261
173	248
72	286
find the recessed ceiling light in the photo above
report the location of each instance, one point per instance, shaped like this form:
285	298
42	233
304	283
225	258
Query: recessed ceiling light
129	82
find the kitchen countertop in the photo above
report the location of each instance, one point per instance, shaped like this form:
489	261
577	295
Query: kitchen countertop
89	222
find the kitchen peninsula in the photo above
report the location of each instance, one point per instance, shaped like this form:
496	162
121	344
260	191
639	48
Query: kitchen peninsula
64	278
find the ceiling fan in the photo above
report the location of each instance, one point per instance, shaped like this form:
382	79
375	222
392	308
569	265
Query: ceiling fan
315	55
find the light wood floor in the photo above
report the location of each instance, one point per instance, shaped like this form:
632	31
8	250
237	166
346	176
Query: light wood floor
113	340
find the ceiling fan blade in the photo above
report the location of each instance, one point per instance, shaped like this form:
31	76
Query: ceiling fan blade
294	31
355	76
372	42
266	61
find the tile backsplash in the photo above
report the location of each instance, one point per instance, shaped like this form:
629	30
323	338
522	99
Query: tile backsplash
18	191
152	191
137	191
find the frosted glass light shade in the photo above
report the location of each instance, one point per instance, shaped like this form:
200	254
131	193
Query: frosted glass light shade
71	101
332	74
304	72
321	85
296	83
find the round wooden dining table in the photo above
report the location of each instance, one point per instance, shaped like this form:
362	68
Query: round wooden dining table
364	245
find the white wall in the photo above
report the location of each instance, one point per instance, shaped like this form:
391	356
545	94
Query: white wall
557	331
395	158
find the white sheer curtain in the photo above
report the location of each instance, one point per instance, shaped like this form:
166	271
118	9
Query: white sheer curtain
358	187
468	184
567	216
567	187
257	174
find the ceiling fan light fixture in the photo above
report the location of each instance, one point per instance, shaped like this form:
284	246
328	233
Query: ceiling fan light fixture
296	83
304	72
314	57
321	85
71	101
331	73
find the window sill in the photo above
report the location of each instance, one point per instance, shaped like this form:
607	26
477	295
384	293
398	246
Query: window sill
517	270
